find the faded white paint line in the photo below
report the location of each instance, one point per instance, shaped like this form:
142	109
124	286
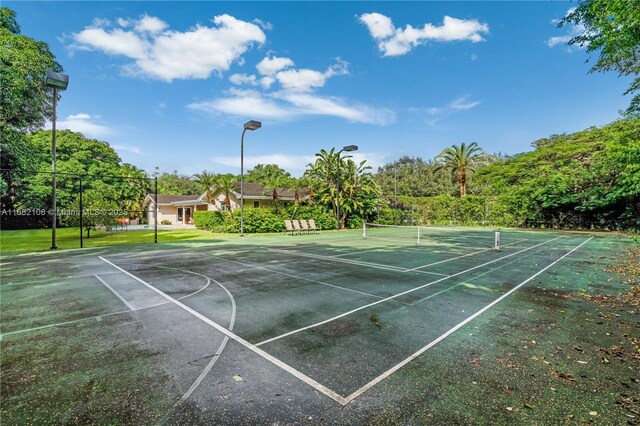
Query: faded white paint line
129	305
401	294
301	376
392	370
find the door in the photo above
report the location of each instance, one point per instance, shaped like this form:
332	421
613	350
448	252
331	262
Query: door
179	214
187	215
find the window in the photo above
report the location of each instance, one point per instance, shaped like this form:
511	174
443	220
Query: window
256	204
179	214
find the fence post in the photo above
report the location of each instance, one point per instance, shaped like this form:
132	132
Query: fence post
155	211
81	214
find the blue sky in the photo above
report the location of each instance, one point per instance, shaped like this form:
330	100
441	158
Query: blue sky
170	84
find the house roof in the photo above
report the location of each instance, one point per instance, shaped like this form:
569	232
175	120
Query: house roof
169	199
257	191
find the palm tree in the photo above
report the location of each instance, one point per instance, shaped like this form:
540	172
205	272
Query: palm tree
462	161
226	183
206	180
271	186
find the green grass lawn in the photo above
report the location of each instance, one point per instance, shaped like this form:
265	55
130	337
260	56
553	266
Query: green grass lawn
30	240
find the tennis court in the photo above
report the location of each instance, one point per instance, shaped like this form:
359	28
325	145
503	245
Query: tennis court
269	328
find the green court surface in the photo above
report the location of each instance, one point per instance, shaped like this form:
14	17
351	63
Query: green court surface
328	328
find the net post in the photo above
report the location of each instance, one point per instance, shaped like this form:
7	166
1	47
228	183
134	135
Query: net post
364	230
496	245
155	210
81	214
418	241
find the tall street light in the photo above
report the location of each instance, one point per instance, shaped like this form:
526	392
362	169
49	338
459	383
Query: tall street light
347	148
57	81
249	125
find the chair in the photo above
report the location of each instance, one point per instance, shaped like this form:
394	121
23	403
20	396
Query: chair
289	227
312	226
305	227
296	226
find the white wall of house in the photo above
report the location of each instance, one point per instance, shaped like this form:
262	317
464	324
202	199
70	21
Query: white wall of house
164	213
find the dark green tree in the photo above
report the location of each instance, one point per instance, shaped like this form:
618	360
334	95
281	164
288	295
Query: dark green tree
25	102
264	173
612	30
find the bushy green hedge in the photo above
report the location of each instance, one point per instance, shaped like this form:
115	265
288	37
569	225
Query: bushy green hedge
262	220
323	217
211	220
257	220
448	210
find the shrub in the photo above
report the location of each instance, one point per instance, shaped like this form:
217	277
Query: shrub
256	220
210	220
165	222
323	217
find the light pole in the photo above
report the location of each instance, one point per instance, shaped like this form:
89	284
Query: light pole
347	148
57	81
249	125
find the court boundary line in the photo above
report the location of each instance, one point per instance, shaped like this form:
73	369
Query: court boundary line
96	317
251	265
294	372
398	366
122	299
355	262
403	293
465	255
218	352
467	281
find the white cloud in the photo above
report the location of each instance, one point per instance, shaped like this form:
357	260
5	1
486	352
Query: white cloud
571	31
150	24
463	104
267	26
239	79
285	105
294	97
266	82
271	65
163	54
82	123
394	41
436	115
304	80
128	148
380	26
245	104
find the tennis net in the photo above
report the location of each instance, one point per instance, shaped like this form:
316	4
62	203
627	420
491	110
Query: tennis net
429	235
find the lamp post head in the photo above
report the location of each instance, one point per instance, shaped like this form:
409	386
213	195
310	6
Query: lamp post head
350	148
56	80
252	125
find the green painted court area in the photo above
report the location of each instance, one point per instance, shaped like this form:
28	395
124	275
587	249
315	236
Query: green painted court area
404	326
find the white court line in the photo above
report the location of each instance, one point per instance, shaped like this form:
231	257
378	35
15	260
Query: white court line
27	330
464	255
354	262
213	360
301	376
250	265
402	294
475	277
130	306
392	370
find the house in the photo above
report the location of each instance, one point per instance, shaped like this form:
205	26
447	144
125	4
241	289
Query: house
178	209
255	195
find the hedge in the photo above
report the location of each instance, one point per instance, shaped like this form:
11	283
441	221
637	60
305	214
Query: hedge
262	220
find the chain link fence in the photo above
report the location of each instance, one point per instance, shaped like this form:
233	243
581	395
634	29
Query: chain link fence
79	211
